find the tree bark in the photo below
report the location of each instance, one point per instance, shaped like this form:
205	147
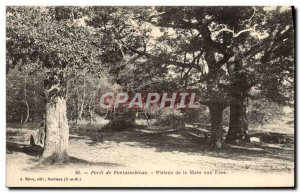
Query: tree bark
217	99
238	125
216	112
57	129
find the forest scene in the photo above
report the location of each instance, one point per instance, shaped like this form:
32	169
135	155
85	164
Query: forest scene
239	62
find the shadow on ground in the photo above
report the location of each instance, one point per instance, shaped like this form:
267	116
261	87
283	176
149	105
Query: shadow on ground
171	141
179	141
72	162
27	149
37	151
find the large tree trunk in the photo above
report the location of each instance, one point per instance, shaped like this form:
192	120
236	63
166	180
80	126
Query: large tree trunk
238	125
217	98
57	129
216	112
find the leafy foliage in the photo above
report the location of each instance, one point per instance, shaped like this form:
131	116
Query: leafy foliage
217	51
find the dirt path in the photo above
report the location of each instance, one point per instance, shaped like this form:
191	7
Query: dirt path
137	149
160	155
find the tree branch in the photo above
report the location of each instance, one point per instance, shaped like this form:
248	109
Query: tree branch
175	63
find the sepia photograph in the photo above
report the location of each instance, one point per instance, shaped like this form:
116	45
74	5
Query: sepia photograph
150	96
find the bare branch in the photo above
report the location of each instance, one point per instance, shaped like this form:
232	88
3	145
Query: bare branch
252	29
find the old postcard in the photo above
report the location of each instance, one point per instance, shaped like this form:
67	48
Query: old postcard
157	96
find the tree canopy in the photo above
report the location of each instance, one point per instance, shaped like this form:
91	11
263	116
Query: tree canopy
226	54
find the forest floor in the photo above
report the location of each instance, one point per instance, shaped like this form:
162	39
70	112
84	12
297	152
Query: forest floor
89	148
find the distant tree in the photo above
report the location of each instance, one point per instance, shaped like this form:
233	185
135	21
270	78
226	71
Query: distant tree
121	63
25	97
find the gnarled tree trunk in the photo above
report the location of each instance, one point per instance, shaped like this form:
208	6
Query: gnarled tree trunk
217	99
57	129
238	125
216	112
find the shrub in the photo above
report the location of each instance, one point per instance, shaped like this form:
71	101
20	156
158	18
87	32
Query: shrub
262	111
120	121
169	117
